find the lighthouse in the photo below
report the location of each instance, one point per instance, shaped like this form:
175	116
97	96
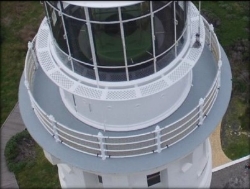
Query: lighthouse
125	94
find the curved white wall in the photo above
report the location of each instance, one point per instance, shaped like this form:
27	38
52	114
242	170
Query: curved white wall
192	171
124	115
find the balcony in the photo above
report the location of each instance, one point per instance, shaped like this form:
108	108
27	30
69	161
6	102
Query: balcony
79	136
187	127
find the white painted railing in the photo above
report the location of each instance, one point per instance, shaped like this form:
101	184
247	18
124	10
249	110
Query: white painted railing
127	146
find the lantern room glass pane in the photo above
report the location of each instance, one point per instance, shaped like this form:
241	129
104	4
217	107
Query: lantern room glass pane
108	44
180	17
78	39
107	37
135	11
164	28
159	4
138	40
72	10
77	33
56	25
181	11
105	15
54	3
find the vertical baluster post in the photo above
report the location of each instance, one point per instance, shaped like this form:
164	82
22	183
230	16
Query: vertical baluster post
158	138
211	30
102	147
31	48
201	113
219	74
53	122
26	83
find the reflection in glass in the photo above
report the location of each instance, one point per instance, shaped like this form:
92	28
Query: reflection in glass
57	28
107	37
138	40
54	3
181	10
159	4
164	28
136	10
77	34
164	33
107	14
108	44
78	38
180	16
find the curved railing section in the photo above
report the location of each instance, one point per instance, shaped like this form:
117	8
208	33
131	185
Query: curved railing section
127	146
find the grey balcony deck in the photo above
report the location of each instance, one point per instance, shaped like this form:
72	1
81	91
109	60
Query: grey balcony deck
47	95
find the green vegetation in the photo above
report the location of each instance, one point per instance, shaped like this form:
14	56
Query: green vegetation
231	22
11	152
26	159
235	136
230	19
19	23
239	148
245	121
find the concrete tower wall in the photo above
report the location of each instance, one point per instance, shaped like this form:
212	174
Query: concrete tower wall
191	171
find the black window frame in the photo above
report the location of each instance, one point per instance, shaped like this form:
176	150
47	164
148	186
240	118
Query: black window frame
153	179
99	178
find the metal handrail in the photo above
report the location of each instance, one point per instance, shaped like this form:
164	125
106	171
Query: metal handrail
98	149
135	142
190	125
78	137
183	124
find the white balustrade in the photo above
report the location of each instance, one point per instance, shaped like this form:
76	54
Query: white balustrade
31	48
219	73
158	138
100	138
55	133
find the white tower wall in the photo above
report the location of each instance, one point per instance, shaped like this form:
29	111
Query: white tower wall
191	171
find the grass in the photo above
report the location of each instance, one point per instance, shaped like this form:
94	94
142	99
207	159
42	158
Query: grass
231	22
233	17
26	159
39	175
235	142
19	23
11	152
239	147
